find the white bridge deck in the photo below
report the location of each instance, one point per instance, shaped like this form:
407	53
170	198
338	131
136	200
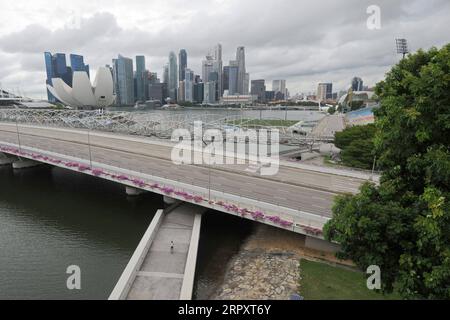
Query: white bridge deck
296	198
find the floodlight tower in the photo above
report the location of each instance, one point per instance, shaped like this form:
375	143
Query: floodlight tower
402	47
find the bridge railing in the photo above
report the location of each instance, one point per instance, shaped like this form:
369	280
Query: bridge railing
158	124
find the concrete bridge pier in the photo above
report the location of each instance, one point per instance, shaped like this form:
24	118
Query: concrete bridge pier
169	200
130	191
25	163
6	159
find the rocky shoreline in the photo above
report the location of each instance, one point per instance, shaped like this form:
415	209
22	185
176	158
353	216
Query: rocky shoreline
267	267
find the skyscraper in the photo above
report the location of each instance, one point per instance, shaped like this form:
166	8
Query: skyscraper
357	84
324	91
182	59
56	67
189	86
141	79
219	69
233	73
166	74
198	92
207	68
213	65
240	58
279	86
246	84
124	80
259	89
77	64
210	92
181	91
173	76
226	78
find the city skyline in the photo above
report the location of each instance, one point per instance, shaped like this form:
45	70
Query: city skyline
321	52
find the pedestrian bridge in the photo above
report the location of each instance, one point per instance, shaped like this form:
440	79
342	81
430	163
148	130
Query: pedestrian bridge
156	271
298	198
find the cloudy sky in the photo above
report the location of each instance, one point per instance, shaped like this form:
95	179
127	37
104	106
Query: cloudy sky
305	42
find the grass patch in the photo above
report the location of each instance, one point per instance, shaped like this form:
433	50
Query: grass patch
262	122
321	281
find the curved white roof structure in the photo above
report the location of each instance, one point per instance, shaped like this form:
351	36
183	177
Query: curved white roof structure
82	93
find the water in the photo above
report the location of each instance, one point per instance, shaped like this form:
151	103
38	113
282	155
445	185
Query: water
51	218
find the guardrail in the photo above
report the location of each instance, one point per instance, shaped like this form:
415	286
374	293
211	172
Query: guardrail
123	286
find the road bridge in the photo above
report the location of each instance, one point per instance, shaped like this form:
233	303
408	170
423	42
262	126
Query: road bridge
298	198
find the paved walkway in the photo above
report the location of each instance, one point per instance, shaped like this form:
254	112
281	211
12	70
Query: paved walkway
162	272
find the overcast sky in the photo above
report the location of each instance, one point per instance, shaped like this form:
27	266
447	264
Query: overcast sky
304	42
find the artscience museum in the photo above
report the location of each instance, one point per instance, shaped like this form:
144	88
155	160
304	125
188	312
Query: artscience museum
83	94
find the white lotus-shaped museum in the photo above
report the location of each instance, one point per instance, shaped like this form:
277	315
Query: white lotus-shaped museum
83	93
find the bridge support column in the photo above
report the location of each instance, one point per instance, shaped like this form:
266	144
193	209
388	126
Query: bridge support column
169	200
25	163
133	191
6	159
321	245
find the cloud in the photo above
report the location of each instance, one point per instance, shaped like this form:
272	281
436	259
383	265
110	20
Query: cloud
302	41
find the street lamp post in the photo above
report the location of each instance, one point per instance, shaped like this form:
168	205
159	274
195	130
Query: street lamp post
89	146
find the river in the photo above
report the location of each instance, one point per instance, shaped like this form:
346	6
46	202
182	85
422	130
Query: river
51	218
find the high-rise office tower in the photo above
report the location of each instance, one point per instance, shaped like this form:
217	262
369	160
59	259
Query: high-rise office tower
246	84
233	75
213	65
189	86
207	68
279	86
77	64
226	78
240	58
173	76
219	68
199	92
182	60
141	79
181	91
209	92
166	74
56	67
357	84
124	80
324	91
259	89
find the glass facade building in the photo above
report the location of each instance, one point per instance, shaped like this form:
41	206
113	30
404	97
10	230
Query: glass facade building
182	60
56	67
77	64
141	79
124	80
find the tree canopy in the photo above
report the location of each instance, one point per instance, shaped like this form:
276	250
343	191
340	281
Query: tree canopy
403	224
357	145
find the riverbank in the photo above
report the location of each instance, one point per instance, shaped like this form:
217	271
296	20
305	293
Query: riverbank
267	266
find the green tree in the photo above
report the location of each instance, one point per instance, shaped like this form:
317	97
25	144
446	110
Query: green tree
332	110
357	144
403	225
